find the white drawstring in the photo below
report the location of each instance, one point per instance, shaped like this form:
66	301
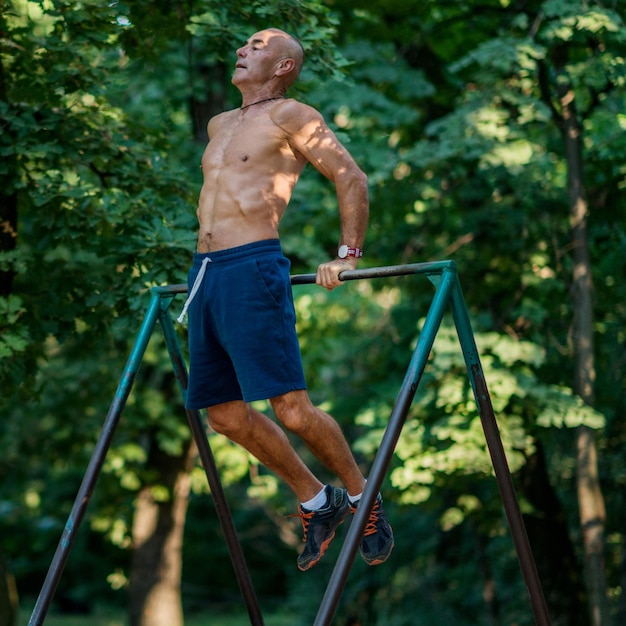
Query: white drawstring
194	288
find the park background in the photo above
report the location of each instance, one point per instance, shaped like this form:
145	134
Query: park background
493	133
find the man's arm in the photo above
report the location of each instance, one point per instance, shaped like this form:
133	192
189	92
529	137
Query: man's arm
309	135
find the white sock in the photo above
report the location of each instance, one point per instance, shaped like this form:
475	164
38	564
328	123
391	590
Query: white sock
317	502
354	499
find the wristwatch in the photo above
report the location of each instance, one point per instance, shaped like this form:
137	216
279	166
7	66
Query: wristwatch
346	251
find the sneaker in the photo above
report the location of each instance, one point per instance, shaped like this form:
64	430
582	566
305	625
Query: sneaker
377	542
320	525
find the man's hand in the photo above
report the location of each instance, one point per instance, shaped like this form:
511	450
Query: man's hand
328	273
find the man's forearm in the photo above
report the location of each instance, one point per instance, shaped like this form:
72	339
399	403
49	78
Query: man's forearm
353	199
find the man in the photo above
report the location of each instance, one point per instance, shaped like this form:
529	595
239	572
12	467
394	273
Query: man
242	340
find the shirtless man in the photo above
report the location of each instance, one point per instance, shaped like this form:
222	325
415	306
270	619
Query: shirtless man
243	345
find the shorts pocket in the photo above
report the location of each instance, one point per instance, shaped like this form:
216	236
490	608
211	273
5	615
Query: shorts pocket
273	276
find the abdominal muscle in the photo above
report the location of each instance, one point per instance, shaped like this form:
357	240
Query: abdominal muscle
225	223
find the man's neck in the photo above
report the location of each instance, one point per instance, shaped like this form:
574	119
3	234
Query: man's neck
249	97
245	106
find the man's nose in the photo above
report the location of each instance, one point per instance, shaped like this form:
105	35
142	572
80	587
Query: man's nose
241	52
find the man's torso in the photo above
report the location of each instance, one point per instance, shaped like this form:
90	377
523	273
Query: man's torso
249	171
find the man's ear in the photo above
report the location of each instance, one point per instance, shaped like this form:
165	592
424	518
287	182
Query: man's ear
285	66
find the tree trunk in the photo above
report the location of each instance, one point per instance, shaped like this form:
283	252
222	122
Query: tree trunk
8	193
590	499
557	565
209	101
490	592
8	230
8	596
158	528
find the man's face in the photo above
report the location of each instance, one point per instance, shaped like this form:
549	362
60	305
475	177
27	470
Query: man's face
258	57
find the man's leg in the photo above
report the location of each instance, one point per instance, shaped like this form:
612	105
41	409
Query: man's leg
266	441
322	435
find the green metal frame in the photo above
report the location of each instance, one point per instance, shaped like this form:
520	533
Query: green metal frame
443	275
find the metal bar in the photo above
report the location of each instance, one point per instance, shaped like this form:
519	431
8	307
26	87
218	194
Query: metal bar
498	457
447	288
208	462
385	452
435	267
95	465
382	272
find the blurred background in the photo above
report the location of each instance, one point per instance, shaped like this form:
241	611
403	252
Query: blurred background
493	133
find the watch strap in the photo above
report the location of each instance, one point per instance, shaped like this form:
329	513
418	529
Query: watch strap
346	251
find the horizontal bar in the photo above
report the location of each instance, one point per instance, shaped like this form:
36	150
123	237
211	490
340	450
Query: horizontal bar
168	290
434	267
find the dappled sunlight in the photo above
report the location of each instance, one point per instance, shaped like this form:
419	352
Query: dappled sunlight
512	155
462	121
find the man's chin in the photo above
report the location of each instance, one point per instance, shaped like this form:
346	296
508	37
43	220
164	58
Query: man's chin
238	76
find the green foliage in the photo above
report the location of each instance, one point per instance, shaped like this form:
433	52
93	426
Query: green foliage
443	107
12	341
223	27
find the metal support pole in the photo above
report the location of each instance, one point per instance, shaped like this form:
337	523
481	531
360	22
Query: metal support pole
208	462
385	452
448	290
498	458
95	465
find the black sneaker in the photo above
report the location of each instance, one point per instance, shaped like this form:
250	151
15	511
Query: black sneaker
319	526
377	542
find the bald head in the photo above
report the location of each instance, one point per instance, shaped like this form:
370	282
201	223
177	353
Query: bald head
290	48
270	56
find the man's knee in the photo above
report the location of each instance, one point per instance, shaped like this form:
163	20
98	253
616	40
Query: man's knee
229	418
294	410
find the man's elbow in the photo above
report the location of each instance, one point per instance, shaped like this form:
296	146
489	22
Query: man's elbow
352	187
363	190
360	177
356	180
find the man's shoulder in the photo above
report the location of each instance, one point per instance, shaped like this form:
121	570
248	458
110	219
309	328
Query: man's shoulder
292	115
217	120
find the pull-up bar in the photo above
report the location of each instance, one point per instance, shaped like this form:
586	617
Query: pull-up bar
444	276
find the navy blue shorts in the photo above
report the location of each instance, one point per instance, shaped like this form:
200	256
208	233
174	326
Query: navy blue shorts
242	327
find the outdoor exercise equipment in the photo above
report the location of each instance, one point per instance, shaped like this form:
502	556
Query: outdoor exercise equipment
443	275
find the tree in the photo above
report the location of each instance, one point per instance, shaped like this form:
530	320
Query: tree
86	179
590	29
476	150
85	185
8	595
454	114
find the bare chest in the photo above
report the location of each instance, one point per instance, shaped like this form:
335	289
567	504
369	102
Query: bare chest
257	141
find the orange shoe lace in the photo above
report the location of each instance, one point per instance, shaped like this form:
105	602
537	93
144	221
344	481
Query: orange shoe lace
370	527
306	519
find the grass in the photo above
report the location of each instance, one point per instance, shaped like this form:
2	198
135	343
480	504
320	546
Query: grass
104	618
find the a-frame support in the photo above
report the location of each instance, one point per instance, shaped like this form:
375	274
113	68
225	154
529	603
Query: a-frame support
448	292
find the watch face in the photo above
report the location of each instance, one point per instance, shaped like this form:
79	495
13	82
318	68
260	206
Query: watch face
342	253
